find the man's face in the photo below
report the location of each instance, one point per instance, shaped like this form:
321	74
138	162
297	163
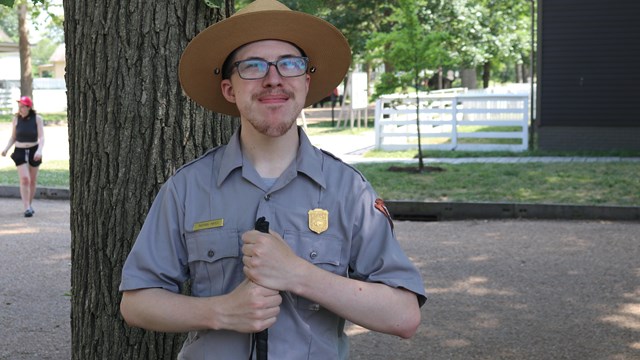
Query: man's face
271	104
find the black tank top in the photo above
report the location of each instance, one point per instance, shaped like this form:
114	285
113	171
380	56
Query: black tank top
27	129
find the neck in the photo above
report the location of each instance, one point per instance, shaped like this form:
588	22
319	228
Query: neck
269	155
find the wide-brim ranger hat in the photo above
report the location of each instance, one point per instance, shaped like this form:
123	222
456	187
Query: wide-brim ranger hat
200	69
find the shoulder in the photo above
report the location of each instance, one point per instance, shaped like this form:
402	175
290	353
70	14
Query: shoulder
334	161
205	160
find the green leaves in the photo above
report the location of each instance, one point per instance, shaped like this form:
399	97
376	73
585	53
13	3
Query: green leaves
8	3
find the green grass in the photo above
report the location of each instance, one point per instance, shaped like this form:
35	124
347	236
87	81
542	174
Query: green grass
576	183
51	174
325	128
413	154
48	117
612	183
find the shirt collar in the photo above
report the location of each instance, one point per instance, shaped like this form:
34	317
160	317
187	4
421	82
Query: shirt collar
309	159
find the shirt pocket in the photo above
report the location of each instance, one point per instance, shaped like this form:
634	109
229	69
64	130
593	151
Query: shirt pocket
323	251
214	258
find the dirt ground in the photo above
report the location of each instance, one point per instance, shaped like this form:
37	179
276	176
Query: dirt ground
507	289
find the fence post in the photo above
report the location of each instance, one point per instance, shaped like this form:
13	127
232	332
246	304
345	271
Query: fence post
377	124
454	122
525	123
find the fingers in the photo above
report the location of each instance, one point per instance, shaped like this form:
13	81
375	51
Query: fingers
253	307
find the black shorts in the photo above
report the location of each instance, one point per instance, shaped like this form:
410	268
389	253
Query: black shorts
23	155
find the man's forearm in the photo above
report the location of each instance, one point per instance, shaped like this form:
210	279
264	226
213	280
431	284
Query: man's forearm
374	306
161	310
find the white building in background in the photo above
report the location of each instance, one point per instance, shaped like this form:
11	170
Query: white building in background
55	67
49	94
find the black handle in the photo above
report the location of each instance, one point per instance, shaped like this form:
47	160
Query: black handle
262	337
262	225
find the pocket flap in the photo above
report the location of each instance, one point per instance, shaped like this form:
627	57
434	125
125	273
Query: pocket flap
212	245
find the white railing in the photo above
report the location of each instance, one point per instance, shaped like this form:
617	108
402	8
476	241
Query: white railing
49	96
453	121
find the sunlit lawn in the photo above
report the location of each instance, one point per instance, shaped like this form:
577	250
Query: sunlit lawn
53	173
615	183
599	183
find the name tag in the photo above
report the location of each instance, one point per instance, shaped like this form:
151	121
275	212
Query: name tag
208	224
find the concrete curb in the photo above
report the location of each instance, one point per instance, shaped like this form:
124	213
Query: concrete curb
437	211
434	211
42	193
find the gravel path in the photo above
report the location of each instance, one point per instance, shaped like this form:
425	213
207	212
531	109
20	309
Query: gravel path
510	289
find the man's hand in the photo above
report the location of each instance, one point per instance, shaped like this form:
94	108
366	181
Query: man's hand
248	308
251	308
268	260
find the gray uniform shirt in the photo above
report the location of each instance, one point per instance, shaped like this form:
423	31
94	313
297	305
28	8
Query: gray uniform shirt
194	227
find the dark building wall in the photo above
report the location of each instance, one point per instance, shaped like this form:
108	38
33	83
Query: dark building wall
588	73
600	138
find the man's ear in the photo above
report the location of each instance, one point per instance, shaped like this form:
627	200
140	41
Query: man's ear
227	91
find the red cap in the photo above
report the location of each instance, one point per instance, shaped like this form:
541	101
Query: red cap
25	100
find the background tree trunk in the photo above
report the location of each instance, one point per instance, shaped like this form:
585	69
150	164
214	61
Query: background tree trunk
486	74
130	127
468	78
26	76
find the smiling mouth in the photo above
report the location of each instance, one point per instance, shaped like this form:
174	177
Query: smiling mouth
273	98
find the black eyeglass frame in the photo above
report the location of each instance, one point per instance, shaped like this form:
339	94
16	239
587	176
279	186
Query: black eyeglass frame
275	64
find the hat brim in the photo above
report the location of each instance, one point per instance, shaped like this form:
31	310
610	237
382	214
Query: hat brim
200	69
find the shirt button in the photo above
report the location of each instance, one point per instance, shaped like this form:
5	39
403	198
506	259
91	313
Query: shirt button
211	253
267	197
313	254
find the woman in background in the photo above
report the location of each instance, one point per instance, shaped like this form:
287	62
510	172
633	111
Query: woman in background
28	136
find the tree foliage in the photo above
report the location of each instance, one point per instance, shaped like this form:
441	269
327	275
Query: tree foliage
457	34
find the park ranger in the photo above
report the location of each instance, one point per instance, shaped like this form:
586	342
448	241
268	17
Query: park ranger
329	252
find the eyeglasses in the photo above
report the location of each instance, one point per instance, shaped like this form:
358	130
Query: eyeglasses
253	69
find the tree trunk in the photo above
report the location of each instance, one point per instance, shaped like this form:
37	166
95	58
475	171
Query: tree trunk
26	77
130	128
468	78
519	73
486	74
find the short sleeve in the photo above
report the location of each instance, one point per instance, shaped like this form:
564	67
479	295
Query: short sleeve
376	254
158	258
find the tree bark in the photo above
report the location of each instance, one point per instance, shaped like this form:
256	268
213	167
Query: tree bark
26	76
486	74
468	78
130	128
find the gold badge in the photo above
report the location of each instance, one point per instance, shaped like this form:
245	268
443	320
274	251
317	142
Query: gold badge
318	220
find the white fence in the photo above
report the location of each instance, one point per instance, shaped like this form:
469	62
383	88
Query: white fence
453	121
49	96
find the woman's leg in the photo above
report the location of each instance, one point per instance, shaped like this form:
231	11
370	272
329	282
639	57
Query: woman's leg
25	185
33	175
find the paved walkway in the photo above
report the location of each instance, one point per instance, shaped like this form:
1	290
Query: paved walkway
498	289
351	150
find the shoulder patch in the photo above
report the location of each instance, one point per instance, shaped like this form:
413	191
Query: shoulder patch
380	206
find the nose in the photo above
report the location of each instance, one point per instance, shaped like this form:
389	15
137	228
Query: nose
273	76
